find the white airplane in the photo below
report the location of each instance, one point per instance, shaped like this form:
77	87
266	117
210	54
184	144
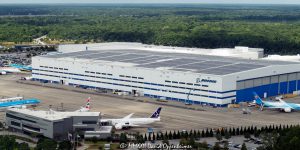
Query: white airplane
280	105
5	70
127	121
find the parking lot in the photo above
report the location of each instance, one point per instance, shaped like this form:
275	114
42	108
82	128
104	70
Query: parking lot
14	58
172	118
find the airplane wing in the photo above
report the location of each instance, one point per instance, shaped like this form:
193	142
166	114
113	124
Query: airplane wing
128	116
277	107
134	125
286	105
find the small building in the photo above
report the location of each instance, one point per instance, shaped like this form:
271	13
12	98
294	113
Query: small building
52	124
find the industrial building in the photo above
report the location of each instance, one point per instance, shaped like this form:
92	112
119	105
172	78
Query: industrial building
172	74
53	124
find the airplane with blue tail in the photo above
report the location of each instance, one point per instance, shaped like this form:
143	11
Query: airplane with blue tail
21	67
280	105
17	102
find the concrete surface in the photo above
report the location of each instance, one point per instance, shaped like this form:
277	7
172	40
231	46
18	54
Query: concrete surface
172	118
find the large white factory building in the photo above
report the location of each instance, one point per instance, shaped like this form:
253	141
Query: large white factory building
173	75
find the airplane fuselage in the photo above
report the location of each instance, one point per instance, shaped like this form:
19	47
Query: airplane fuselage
18	103
135	121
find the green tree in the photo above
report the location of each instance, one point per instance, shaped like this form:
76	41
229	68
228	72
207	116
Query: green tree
149	137
219	137
244	147
247	135
174	135
203	145
170	135
217	146
46	144
124	139
140	139
207	134
226	146
211	133
165	141
64	145
227	136
7	142
269	140
183	141
94	139
25	146
145	137
153	136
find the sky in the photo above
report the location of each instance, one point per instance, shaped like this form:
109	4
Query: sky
158	1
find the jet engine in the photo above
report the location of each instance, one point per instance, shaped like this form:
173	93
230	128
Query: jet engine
287	110
119	126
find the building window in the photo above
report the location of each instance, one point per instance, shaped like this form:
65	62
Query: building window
18	118
15	123
32	128
89	122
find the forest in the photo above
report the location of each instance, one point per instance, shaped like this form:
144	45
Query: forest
276	28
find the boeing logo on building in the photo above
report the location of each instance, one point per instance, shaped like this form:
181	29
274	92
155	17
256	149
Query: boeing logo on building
205	80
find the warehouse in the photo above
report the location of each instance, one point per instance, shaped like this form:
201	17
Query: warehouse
51	124
190	78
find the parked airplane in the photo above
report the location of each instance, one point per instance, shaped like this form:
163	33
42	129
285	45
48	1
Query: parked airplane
5	70
17	102
280	105
86	108
127	121
21	67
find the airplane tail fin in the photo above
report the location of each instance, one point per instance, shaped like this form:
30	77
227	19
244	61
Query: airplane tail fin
257	99
87	105
86	108
156	113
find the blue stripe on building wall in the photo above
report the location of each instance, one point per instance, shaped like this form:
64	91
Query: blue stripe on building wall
246	95
271	90
283	88
292	86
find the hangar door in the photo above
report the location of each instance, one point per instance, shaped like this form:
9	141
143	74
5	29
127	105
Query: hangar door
267	86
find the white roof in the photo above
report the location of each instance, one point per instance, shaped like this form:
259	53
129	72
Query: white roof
52	115
205	64
294	58
238	51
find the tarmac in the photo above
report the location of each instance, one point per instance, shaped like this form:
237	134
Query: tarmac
174	115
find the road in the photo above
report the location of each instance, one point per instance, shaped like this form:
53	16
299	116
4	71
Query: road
39	40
